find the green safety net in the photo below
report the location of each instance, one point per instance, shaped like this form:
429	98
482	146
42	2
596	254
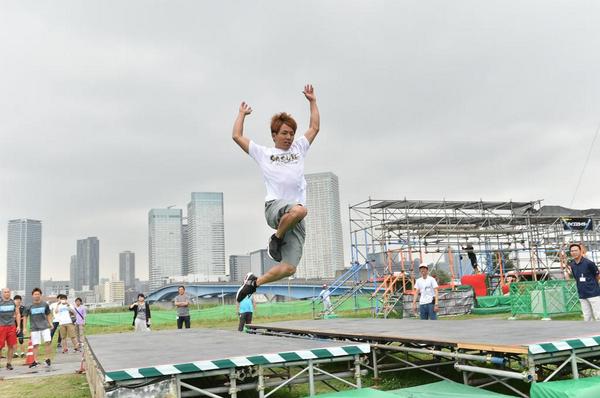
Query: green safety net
544	298
493	301
494	310
360	393
226	312
588	387
447	389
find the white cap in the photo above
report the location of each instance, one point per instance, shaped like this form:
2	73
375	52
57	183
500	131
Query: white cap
424	265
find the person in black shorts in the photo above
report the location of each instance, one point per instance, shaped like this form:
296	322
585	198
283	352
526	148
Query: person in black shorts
18	303
472	257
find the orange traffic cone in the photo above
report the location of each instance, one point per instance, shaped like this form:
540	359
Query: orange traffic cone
29	357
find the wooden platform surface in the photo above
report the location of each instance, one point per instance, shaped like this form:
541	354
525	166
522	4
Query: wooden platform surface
481	334
124	356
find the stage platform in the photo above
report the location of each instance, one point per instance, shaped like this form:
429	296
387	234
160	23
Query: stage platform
169	357
504	336
512	350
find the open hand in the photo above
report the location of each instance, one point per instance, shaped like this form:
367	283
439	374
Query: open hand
245	108
309	92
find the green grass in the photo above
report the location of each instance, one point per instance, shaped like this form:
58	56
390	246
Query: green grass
65	386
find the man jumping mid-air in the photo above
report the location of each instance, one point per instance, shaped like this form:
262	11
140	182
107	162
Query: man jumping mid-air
283	171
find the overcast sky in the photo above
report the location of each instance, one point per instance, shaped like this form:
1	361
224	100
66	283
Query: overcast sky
110	108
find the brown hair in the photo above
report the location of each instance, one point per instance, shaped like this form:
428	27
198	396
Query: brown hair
280	119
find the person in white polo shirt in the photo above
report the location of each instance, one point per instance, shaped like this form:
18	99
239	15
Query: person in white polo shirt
427	287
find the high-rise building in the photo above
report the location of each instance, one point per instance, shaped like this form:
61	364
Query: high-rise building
239	266
127	268
164	245
260	262
324	247
72	271
185	262
87	272
206	234
24	256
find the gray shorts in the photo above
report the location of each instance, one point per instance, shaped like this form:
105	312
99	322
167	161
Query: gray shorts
291	252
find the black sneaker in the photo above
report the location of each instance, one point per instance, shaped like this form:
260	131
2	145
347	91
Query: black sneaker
247	288
274	249
9	366
48	363
33	364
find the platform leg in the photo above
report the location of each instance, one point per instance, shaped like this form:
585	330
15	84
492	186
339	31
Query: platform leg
465	378
375	368
261	382
534	375
232	383
311	378
574	365
357	371
178	387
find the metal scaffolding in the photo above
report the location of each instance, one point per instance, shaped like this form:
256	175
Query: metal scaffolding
525	237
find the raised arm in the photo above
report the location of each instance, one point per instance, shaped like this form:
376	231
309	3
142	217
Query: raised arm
315	119
238	127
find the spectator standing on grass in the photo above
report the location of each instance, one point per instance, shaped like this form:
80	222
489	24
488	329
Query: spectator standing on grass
325	296
80	315
10	319
245	310
182	303
55	324
19	304
427	287
586	276
141	314
40	324
65	314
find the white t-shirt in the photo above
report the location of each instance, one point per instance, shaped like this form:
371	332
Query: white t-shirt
63	317
52	308
325	293
283	171
427	289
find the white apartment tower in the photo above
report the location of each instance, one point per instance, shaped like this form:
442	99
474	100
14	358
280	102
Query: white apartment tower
164	245
323	250
206	234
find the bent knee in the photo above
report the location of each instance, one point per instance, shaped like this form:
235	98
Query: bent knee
289	270
298	212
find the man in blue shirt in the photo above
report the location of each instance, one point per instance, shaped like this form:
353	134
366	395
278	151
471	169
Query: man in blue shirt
586	277
245	310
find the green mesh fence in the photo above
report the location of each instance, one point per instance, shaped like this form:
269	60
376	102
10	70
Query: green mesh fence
227	312
544	298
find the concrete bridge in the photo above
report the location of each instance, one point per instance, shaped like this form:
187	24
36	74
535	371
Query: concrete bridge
206	290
